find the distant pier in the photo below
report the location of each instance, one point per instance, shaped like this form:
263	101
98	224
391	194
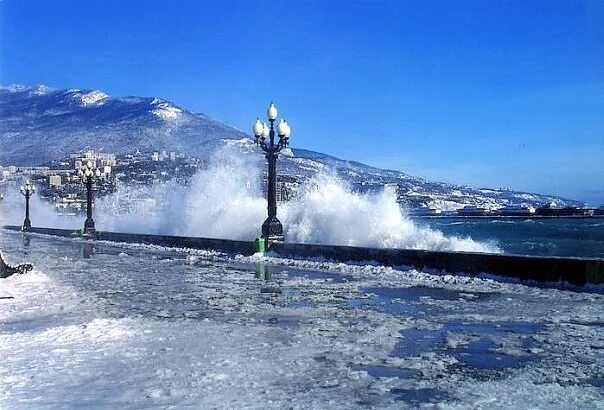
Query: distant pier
494	216
472	211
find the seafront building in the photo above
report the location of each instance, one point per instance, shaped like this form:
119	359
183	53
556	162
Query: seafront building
516	211
473	210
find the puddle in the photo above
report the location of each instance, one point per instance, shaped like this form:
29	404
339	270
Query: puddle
415	342
387	306
478	356
478	344
410	301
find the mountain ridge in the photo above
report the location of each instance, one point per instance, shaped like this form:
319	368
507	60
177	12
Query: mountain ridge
39	124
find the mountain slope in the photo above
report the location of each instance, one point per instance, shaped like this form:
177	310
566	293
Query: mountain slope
413	191
40	124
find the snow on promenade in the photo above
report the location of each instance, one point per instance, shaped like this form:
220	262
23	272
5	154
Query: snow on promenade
134	326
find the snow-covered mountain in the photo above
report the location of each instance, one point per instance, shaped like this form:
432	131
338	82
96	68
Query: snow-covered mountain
41	124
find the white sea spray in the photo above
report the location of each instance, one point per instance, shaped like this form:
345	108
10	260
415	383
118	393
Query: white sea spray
225	200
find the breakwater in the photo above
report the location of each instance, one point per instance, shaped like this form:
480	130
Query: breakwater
576	271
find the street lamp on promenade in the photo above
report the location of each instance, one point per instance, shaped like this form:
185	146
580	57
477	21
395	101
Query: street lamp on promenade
27	191
90	175
272	230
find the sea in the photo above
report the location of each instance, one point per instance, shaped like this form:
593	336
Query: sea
569	237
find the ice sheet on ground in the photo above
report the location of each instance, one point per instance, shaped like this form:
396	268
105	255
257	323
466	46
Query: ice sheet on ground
113	325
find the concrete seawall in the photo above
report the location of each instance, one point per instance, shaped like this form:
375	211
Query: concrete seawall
577	271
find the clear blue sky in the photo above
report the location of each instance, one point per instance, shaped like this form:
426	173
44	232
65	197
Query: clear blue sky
488	93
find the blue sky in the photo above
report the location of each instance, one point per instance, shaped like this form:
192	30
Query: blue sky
487	93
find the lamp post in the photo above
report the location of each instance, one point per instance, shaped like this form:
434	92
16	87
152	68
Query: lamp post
27	190
89	175
272	230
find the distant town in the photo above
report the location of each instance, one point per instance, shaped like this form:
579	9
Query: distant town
59	184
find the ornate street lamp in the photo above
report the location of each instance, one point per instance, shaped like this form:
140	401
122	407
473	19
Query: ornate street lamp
27	190
272	230
89	176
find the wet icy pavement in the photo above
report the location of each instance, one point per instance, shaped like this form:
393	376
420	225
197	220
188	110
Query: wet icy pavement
137	326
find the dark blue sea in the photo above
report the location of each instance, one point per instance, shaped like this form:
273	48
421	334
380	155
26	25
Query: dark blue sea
580	237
